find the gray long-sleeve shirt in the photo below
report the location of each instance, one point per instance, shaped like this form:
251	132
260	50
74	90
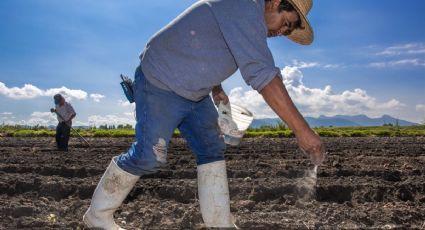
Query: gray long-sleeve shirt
206	44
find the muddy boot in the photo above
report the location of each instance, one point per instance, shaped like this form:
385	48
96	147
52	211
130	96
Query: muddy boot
214	195
111	191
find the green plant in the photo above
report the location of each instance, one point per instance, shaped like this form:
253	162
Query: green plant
280	131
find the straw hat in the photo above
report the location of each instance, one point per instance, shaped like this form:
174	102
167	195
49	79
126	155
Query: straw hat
302	36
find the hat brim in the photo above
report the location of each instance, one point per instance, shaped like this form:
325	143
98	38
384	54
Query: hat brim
303	36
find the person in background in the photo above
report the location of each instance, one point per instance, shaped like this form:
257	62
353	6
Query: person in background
65	113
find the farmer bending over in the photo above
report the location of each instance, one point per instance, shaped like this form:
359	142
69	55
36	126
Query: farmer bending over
179	67
65	113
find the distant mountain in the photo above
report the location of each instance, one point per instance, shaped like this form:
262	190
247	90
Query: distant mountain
330	121
339	121
264	122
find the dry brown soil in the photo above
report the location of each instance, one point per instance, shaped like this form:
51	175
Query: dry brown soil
365	183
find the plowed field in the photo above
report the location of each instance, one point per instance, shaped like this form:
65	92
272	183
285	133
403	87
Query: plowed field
365	183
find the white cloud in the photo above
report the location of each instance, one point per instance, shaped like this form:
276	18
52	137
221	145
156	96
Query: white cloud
97	120
41	119
306	65
5	117
251	100
420	108
404	49
67	93
47	119
79	123
331	66
133	114
4	121
409	54
379	65
96	97
398	63
316	101
126	103
29	91
414	62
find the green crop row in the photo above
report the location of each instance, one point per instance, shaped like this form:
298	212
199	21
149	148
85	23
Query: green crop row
378	131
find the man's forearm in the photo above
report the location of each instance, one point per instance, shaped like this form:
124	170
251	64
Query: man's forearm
279	100
219	95
217	89
277	97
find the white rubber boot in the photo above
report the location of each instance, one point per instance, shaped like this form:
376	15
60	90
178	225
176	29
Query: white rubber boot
214	195
111	191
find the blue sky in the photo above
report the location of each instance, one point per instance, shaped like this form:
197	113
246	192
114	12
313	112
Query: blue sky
368	57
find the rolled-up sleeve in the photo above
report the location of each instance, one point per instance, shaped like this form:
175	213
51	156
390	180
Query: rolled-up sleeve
246	37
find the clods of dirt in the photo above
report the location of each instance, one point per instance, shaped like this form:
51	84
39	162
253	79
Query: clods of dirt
365	183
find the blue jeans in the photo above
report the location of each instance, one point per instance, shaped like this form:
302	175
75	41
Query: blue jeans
159	113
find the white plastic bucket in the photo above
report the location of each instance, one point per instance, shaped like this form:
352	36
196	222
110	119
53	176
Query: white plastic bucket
233	120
